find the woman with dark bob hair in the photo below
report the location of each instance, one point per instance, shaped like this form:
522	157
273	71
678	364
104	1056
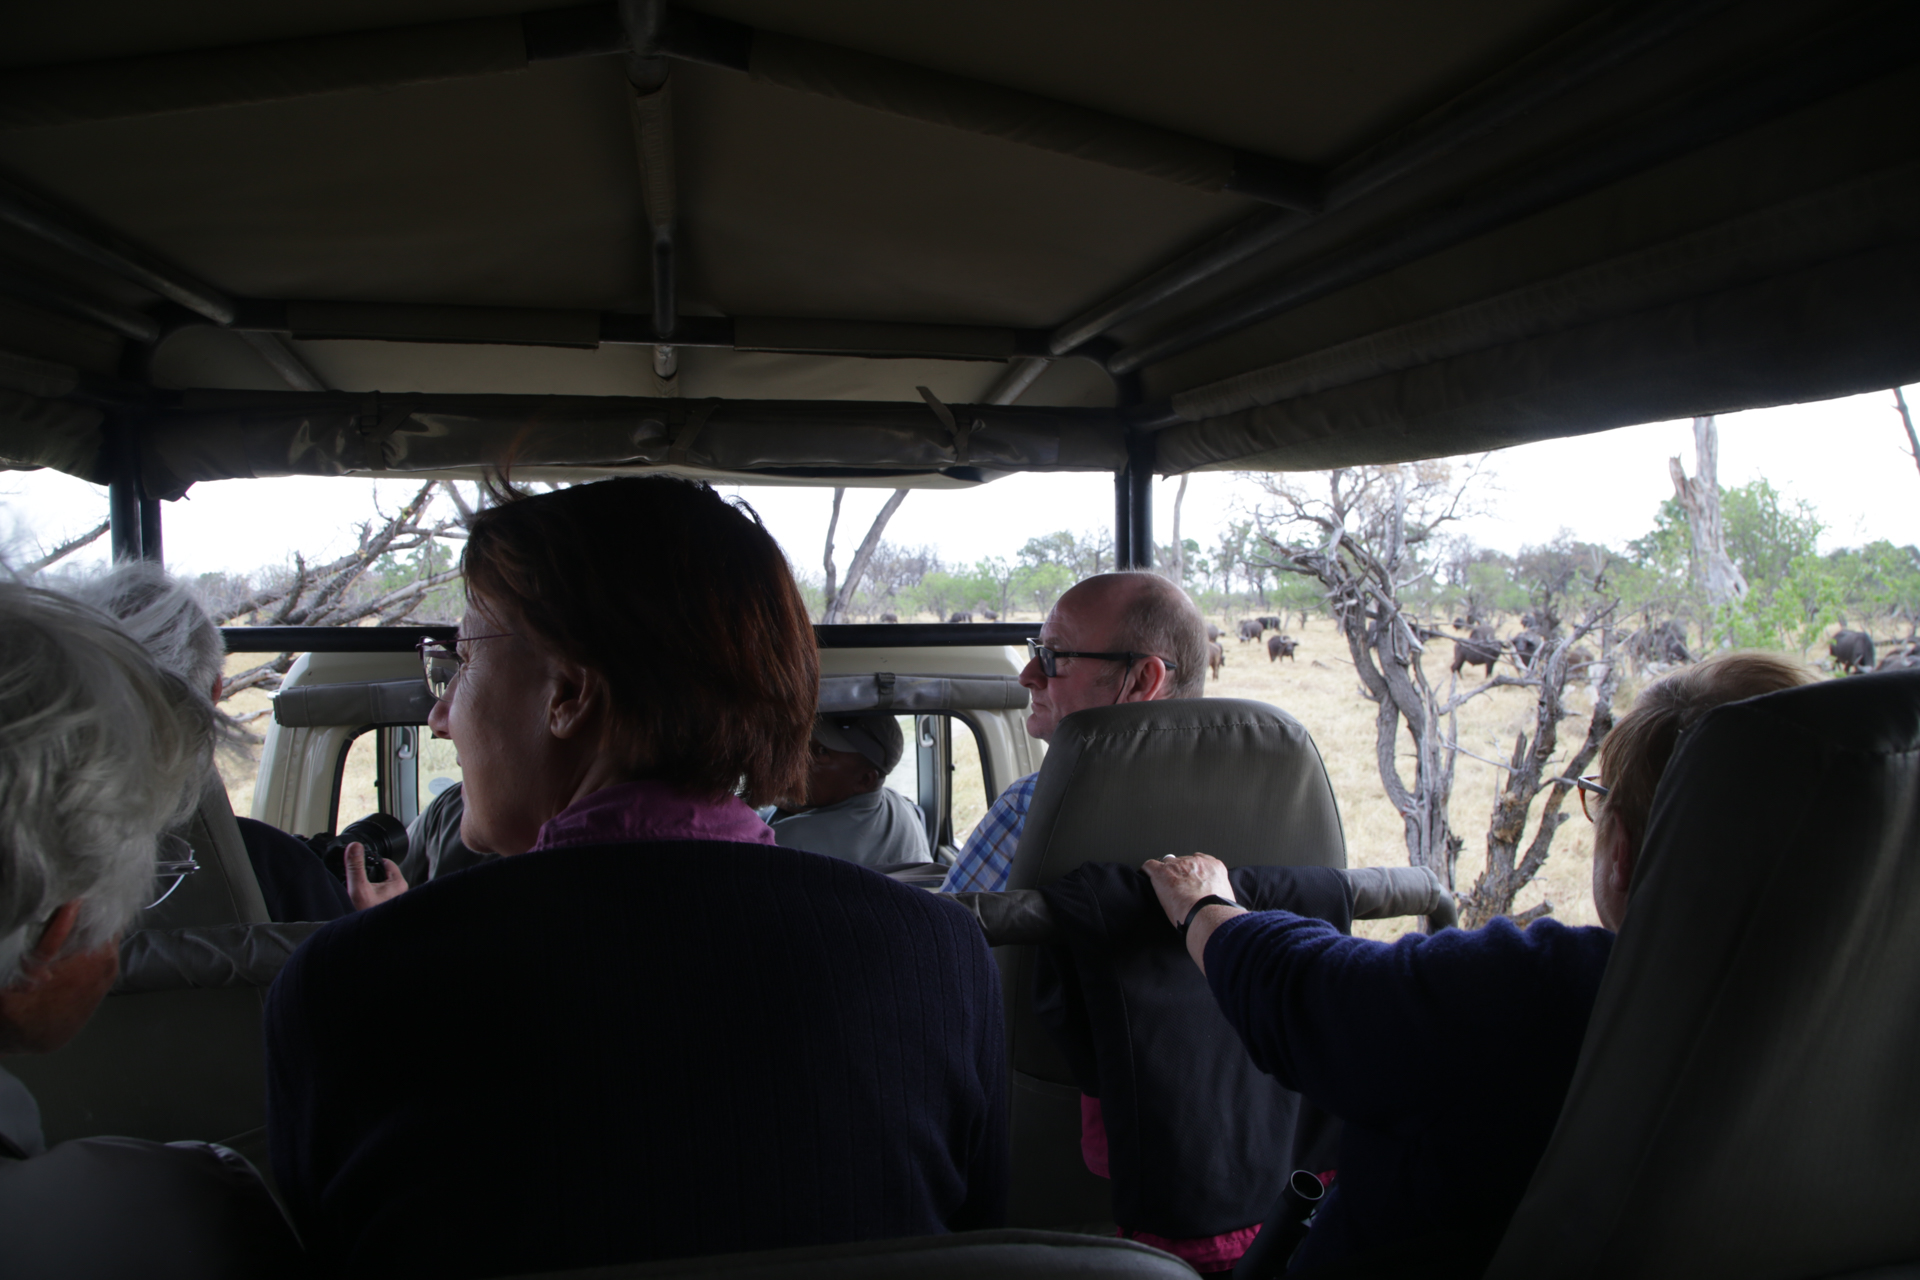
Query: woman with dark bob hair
649	1031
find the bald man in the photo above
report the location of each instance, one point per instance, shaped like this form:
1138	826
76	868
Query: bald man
1117	637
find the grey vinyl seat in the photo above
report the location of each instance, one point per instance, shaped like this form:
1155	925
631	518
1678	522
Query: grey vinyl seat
973	1255
1745	1100
169	1065
1237	779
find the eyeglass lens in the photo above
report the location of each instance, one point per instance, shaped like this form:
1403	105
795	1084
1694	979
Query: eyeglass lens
1044	656
174	864
441	665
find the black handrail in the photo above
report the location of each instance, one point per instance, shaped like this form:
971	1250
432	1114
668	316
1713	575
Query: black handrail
878	635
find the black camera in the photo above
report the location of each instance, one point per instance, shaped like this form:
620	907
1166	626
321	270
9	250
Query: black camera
383	835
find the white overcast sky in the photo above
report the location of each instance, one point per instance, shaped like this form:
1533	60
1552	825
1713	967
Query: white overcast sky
1847	457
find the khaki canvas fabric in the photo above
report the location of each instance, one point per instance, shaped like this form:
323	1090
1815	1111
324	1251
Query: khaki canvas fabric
1745	1101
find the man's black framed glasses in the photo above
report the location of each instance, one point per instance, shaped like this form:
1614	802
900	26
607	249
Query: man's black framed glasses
1049	658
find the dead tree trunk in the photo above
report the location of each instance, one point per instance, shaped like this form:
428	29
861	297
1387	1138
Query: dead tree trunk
1179	547
832	591
1507	871
1362	578
837	605
64	550
1714	572
1906	420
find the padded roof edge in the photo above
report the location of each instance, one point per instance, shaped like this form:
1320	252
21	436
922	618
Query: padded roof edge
1661	208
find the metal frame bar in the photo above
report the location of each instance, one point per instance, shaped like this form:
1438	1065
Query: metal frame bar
1576	57
1811	70
38	217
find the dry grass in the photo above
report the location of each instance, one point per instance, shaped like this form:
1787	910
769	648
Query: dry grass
1319	688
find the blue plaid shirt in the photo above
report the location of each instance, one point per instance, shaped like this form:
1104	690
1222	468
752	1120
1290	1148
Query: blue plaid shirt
983	865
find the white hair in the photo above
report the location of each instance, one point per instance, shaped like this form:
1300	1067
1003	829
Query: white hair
164	615
169	621
100	752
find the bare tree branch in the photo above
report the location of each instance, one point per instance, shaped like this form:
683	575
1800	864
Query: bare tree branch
65	549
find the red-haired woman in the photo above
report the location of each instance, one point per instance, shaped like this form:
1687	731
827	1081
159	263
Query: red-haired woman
649	1031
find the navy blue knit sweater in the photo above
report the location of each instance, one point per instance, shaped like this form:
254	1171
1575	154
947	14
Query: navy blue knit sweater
1447	1056
619	1052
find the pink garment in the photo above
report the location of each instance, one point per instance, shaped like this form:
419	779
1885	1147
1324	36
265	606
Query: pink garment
1204	1254
633	811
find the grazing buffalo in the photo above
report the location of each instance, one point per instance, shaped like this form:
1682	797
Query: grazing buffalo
1480	649
1852	651
889	617
1525	645
960	617
1902	658
1665	644
990	615
1582	665
1250	629
1213	633
1216	658
1269	621
1279	647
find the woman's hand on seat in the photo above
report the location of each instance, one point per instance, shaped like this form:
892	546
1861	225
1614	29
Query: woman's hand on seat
366	893
1181	882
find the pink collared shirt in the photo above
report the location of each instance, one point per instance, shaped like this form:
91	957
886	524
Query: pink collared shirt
647	810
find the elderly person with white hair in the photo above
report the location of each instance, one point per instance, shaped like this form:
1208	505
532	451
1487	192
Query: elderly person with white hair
168	620
100	753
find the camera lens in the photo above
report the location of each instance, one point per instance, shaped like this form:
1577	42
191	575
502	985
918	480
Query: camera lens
384	836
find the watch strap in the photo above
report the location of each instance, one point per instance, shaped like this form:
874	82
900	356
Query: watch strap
1211	900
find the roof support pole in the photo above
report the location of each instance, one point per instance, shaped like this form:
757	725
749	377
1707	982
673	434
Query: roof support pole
1123	518
150	530
1140	458
124	513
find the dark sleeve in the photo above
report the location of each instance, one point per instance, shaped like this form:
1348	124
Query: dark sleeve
1399	1036
293	880
320	1058
989	1159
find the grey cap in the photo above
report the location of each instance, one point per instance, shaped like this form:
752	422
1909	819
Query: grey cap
877	737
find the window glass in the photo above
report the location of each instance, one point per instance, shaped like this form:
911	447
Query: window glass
359	793
969	783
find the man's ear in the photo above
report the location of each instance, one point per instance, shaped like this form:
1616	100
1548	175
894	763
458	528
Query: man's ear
579	695
1150	679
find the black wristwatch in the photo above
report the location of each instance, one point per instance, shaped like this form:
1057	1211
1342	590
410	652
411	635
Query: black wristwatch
1211	900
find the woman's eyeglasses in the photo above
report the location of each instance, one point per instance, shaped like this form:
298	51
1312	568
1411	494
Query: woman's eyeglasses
1588	785
175	863
442	661
1049	659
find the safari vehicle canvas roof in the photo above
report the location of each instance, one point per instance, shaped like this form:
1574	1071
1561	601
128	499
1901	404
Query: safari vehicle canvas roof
423	236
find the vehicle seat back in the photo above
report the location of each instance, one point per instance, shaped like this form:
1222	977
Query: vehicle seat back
1745	1100
969	1255
224	890
1237	779
178	1064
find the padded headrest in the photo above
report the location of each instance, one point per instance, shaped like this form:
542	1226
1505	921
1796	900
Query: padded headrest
1239	780
1745	1102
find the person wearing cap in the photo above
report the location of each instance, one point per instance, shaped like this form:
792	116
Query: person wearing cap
849	811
